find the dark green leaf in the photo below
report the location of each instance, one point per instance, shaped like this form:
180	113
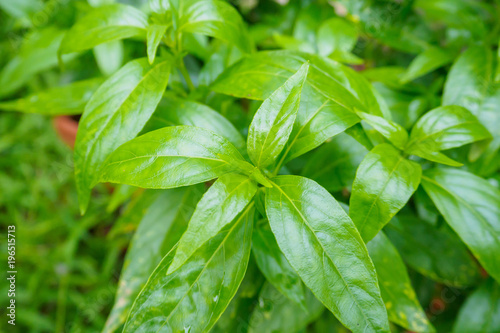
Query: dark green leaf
399	297
322	244
273	122
384	183
195	296
471	206
115	114
225	199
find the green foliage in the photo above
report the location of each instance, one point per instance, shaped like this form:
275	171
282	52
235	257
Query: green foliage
310	166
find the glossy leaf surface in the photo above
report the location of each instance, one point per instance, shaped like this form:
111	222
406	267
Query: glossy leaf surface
195	295
323	246
115	114
392	131
471	206
384	183
273	122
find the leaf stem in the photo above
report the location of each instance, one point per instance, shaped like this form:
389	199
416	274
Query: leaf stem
185	74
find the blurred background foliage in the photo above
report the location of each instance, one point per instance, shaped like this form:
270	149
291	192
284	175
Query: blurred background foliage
69	265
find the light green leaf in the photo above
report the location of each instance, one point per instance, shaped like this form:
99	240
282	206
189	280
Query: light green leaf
273	264
322	244
427	61
392	131
334	164
481	311
384	183
336	35
174	111
273	122
399	297
225	199
471	206
155	33
195	296
173	157
435	253
109	56
159	230
115	114
214	18
275	313
65	100
104	24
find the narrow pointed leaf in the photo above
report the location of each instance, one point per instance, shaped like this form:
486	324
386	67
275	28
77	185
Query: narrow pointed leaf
426	62
159	230
225	199
322	244
173	157
399	297
471	206
273	264
104	24
392	131
384	183
154	35
115	114
273	122
195	296
109	56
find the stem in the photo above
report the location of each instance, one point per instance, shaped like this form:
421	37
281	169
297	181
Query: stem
185	74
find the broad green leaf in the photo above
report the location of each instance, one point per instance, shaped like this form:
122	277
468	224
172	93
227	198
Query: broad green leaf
323	246
467	81
225	199
427	61
104	24
159	230
115	114
155	33
334	164
38	53
214	18
384	183
273	264
109	56
471	206
195	296
399	297
275	313
392	131
273	122
65	100
336	35
436	253
173	157
481	311
174	111
444	128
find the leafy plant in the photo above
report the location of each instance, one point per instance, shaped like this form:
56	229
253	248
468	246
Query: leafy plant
284	186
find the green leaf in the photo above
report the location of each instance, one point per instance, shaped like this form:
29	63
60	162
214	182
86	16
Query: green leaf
65	100
174	111
426	62
273	264
225	199
173	157
273	122
384	183
467	82
392	131
336	35
275	313
115	114
334	164
168	217
216	19
481	311
155	33
322	244
435	253
399	297
195	296
471	206
109	56
444	128
104	24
